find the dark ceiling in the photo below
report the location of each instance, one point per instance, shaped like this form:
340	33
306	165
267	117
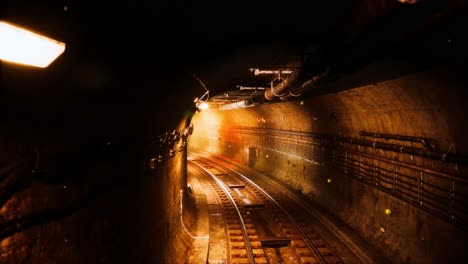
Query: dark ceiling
132	65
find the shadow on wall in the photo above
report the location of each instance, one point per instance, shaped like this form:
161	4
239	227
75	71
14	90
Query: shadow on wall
252	156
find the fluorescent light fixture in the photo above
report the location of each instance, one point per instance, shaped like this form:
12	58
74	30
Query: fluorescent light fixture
258	71
22	46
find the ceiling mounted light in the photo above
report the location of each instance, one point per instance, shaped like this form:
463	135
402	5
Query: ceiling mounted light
22	46
251	88
201	103
203	106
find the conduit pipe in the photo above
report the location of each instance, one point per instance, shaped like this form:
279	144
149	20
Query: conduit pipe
357	27
235	105
293	86
330	139
296	91
283	87
425	153
422	140
254	100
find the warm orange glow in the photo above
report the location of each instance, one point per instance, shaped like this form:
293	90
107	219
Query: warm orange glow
25	47
205	134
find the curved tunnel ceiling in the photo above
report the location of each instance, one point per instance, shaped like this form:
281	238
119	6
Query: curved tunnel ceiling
131	60
379	41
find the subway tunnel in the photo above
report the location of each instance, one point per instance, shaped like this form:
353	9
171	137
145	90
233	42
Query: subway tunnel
357	107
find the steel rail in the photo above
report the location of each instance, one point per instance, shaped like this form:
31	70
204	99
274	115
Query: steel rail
243	227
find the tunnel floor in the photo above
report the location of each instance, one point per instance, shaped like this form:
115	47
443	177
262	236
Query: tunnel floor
204	250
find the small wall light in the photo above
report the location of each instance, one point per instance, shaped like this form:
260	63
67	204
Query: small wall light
329	180
388	211
203	106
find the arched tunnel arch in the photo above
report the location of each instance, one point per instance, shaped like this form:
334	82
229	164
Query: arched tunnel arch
349	152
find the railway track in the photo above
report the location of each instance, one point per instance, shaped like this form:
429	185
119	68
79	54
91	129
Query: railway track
261	225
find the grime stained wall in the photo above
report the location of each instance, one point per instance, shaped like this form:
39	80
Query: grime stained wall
167	239
119	210
79	221
427	104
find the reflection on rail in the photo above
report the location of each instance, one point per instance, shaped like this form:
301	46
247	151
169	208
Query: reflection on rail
274	228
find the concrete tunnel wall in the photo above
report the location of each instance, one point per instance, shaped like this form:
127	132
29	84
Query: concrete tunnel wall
170	239
122	210
426	104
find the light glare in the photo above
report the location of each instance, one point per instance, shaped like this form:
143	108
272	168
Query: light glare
203	106
25	47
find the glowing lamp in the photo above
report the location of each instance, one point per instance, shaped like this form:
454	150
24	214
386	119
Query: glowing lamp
388	211
329	180
203	106
22	46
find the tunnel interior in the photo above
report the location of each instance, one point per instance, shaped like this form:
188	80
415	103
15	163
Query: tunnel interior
370	126
343	164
